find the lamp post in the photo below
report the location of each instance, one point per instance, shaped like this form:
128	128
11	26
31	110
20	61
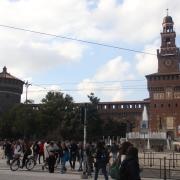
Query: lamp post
27	85
84	175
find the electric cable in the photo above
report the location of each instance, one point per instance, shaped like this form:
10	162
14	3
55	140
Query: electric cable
75	39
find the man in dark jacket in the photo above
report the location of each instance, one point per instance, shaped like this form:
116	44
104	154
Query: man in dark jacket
102	158
8	151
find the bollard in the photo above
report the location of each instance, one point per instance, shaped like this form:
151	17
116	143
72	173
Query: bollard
144	157
165	177
173	161
160	167
169	169
153	158
150	159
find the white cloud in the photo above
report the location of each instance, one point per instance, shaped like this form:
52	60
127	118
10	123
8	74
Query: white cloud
71	50
114	70
130	21
146	63
28	57
109	21
25	53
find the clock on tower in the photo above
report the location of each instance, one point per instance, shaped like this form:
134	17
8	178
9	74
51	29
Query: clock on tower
168	62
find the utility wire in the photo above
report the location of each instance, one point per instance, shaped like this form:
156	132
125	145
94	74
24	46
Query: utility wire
75	39
89	82
100	86
104	87
99	89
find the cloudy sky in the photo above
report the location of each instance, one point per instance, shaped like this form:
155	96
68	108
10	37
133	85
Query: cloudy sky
77	68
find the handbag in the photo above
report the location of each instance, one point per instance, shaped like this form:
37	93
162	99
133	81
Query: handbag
114	171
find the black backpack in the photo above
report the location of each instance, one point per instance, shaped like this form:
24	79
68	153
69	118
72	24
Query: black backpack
103	156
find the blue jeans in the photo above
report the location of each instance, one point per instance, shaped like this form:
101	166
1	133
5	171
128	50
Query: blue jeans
63	165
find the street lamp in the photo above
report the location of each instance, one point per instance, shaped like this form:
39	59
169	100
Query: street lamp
84	175
27	85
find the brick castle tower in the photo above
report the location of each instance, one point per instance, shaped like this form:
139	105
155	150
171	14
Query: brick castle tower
10	90
164	86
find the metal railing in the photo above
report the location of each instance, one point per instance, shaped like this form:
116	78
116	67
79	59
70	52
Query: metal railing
156	166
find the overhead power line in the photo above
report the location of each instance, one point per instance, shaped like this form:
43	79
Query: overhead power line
103	86
86	89
89	82
75	39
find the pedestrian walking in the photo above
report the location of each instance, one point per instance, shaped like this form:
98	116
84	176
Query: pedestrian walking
35	150
114	169
73	149
51	159
41	151
80	156
8	151
102	158
64	157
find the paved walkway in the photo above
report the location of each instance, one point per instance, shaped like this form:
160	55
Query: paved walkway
38	174
29	175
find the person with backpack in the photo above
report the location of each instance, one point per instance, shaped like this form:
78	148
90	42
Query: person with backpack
129	169
115	167
102	159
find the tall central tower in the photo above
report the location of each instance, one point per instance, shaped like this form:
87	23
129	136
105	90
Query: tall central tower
168	55
164	86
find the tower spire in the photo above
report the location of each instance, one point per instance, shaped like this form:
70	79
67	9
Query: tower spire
167	11
4	69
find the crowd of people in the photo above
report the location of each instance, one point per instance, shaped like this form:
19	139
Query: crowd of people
95	157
